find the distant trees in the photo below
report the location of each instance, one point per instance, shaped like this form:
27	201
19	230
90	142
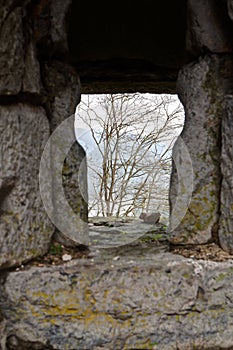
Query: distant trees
130	160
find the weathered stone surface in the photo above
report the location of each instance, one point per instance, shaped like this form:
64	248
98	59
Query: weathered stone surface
31	78
201	86
19	67
150	218
64	212
62	87
59	9
119	234
209	29
166	302
11	51
50	25
226	218
62	91
24	226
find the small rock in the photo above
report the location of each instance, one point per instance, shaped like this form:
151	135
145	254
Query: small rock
150	218
66	257
116	258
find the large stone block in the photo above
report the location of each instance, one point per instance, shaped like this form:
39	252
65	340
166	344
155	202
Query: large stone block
62	91
62	87
25	229
19	67
209	29
31	78
164	302
11	52
226	218
202	87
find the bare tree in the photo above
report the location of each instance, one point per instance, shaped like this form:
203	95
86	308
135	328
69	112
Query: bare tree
130	162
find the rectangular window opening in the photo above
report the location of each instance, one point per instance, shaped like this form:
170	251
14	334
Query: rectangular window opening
128	140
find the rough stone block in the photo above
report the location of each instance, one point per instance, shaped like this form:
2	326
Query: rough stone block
62	91
164	302
63	94
24	225
150	218
19	67
31	78
200	88
209	29
11	52
226	218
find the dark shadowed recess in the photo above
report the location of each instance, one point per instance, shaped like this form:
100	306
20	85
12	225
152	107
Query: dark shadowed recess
127	46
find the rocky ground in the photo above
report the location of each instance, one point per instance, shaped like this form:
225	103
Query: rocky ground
126	237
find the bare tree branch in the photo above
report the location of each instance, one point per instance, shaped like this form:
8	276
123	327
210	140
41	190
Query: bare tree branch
134	135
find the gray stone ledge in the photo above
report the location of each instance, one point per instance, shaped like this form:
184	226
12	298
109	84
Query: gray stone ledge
164	302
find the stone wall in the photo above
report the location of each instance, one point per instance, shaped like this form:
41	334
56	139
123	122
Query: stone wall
37	92
159	301
202	87
205	88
